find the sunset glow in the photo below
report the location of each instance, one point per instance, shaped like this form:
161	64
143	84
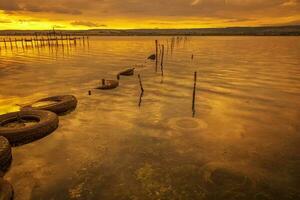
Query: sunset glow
131	14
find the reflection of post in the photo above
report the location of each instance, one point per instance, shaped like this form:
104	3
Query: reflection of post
88	41
194	94
11	46
16	44
25	43
141	98
141	85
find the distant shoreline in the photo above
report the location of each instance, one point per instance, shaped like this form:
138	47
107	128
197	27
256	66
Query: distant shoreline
232	31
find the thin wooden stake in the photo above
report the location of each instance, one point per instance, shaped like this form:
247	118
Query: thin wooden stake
156	53
4	43
162	60
194	93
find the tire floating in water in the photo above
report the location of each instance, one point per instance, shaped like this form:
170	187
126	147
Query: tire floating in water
152	57
26	126
128	72
108	85
6	190
56	104
5	154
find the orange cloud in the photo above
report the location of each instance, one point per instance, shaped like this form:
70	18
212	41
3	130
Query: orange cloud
84	14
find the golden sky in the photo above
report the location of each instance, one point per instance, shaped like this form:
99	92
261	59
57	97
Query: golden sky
129	14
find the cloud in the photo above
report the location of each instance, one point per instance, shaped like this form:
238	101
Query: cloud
87	24
5	21
195	2
139	12
32	6
9	5
291	3
54	9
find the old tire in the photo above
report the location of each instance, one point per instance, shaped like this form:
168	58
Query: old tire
6	190
109	85
47	122
62	104
128	72
5	154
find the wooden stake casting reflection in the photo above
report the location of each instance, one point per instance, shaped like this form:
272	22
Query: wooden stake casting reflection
142	90
194	94
156	54
162	60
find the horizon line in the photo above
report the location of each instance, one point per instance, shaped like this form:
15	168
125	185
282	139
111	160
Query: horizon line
121	29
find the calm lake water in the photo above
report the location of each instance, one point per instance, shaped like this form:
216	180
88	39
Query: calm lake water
243	142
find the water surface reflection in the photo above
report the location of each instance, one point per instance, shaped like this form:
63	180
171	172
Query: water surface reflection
242	144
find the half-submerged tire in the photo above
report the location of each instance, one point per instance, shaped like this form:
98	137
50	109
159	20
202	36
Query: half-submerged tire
45	123
5	154
108	85
6	190
62	104
128	72
152	57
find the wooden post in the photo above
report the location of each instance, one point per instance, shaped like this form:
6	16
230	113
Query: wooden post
194	93
156	50
162	55
162	60
4	43
22	43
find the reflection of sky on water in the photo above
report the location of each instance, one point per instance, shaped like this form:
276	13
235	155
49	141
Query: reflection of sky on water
110	148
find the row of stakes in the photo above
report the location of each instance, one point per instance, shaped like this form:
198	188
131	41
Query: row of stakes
40	41
112	84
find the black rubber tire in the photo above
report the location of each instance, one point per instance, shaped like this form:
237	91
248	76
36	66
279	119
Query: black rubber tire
152	57
109	85
47	123
63	104
128	72
6	190
5	154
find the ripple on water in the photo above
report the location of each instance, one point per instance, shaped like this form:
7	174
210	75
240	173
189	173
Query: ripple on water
187	124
